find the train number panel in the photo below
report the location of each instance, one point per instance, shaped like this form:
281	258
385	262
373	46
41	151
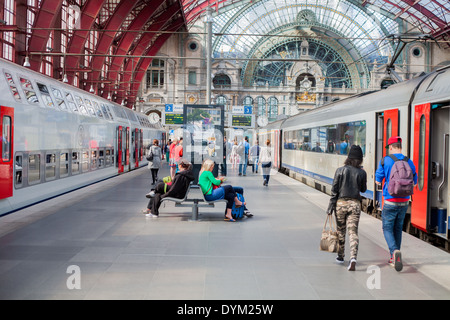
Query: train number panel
6	160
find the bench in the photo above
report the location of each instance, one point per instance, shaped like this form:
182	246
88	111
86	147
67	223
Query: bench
193	202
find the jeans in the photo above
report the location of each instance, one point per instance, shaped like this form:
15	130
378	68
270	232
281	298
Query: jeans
223	192
266	170
245	160
392	218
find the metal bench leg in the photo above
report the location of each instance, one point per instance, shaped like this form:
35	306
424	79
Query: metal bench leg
195	210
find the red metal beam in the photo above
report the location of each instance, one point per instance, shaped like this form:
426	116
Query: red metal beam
45	19
89	13
127	40
106	38
430	15
143	44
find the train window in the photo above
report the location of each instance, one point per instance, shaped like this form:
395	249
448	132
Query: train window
421	171
18	169
63	164
101	158
28	89
85	161
108	158
75	163
97	109
335	138
71	102
89	107
109	111
34	168
80	104
50	166
12	86
94	159
388	130
59	99
105	112
6	139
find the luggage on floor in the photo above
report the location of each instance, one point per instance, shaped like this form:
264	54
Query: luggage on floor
238	213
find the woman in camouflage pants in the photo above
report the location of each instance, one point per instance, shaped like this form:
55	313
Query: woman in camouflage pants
345	201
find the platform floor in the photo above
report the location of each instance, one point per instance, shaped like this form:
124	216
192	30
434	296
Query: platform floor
121	254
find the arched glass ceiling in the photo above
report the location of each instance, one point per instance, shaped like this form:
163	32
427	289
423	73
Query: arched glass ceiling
241	28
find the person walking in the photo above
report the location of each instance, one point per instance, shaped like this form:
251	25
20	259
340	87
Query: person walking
154	162
265	158
349	180
395	202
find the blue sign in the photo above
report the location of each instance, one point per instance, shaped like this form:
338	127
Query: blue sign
169	107
248	109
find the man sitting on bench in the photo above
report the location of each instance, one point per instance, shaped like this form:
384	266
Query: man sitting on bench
178	188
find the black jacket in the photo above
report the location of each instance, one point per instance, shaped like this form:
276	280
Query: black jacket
180	184
348	183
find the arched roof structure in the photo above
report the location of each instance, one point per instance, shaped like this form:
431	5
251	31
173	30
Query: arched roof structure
107	45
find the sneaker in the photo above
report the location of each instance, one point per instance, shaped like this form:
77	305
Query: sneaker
151	194
398	265
352	265
391	261
339	259
151	215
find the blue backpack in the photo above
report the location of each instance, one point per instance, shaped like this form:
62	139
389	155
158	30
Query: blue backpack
238	213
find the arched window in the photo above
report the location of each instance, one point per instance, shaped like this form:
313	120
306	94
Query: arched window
248	101
273	108
221	100
261	102
221	81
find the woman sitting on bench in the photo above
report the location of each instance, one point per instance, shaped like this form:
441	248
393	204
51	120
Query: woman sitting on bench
213	190
178	188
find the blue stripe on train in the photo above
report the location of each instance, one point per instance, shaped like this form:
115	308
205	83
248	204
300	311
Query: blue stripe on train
368	194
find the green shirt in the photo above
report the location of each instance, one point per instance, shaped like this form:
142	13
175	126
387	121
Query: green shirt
206	180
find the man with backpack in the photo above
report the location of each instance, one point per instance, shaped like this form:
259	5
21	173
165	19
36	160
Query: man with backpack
400	178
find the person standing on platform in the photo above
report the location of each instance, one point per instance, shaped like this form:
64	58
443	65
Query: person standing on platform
178	153
254	156
172	164
395	203
155	164
243	164
345	201
226	152
167	150
265	158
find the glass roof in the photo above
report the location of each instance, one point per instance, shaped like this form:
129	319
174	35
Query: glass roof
427	16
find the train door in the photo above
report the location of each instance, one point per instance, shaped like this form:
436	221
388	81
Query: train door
119	149
127	149
387	126
6	160
431	158
136	147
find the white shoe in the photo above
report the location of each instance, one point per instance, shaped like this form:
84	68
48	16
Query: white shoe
352	265
151	215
